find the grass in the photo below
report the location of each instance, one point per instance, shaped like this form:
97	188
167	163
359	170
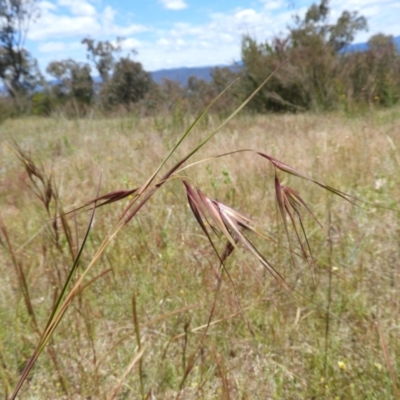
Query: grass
138	330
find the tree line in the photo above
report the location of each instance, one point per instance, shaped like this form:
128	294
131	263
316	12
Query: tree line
315	72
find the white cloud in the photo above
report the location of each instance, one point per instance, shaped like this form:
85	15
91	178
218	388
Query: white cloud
78	7
61	26
174	4
216	41
274	5
46	5
246	15
84	21
130	44
116	30
52	47
108	16
163	42
228	28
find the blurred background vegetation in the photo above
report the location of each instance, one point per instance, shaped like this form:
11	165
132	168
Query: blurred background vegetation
320	74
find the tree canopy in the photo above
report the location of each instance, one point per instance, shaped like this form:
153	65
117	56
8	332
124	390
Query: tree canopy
18	69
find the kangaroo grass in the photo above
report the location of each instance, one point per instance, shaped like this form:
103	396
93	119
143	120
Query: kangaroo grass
20	274
214	217
57	313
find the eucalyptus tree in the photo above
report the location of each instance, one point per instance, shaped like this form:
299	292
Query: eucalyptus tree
18	69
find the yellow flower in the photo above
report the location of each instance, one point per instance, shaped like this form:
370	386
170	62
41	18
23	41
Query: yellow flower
342	365
378	366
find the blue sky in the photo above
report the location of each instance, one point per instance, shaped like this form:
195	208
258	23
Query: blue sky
176	33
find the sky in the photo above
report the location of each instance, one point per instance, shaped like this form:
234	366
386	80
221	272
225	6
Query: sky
181	33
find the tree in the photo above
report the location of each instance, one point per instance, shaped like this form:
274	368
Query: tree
383	44
384	70
82	83
167	96
222	77
102	56
312	46
343	32
73	80
196	88
18	70
315	25
129	82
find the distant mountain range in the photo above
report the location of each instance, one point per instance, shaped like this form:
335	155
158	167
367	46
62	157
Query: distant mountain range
182	74
364	46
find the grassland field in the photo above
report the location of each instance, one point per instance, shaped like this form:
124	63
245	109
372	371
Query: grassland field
336	335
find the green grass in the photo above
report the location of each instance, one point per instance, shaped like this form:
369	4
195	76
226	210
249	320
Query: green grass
281	345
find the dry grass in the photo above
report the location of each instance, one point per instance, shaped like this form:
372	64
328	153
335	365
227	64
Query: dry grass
138	329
